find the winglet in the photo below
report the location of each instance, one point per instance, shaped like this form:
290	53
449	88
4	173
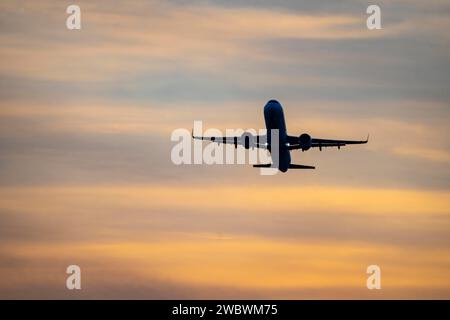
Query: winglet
196	137
367	139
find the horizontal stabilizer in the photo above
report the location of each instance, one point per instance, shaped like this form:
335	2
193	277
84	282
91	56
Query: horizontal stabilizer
291	166
299	166
265	165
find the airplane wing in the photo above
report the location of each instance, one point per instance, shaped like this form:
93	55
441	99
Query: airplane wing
247	141
324	143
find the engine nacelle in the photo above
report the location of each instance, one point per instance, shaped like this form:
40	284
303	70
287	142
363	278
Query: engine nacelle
248	140
304	141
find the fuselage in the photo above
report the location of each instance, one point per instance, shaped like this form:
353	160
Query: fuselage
274	118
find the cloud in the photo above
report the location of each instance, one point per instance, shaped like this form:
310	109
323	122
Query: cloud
373	201
425	153
120	44
148	212
241	267
102	142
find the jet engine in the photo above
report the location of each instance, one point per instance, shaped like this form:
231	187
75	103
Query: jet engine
248	140
304	141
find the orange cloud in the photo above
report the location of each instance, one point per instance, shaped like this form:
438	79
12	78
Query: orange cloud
243	263
313	198
434	155
276	267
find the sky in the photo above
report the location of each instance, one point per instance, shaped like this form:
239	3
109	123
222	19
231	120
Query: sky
86	176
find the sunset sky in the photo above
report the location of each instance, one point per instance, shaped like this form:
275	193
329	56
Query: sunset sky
86	176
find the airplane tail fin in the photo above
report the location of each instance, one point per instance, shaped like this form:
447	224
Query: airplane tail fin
300	166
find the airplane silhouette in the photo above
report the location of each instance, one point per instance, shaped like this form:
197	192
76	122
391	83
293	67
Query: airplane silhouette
274	119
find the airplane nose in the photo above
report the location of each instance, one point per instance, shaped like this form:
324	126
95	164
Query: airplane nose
272	105
272	108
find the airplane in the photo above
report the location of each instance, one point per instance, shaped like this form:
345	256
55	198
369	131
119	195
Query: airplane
274	119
